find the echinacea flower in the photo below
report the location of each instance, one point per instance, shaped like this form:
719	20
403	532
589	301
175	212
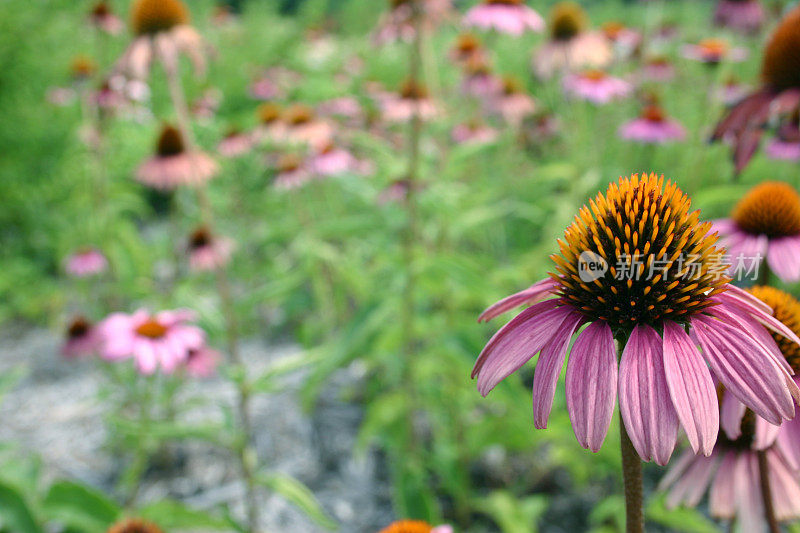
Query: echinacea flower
741	15
412	100
571	46
208	251
396	192
265	88
415	526
479	82
162	31
134	525
398	24
511	17
103	18
86	262
299	124
779	93
269	125
786	144
765	224
235	143
467	46
732	477
161	340
292	172
624	40
334	160
732	91
173	165
82	68
473	132
81	339
658	68
638	266
596	86
714	52
652	127
202	363
513	103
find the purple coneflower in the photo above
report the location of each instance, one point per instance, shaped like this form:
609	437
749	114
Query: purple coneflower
202	363
466	47
639	267
473	132
714	52
779	94
625	40
81	339
103	18
742	15
413	99
512	17
398	24
208	251
265	88
86	262
786	144
513	103
162	340
765	224
652	127
300	125
478	81
332	160
162	31
658	68
269	124
596	86
292	172
235	143
415	526
571	47
173	165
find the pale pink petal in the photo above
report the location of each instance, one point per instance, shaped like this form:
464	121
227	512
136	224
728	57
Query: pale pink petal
591	384
722	497
531	295
690	487
766	434
732	412
783	257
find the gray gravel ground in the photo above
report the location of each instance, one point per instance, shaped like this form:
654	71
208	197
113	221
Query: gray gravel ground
54	413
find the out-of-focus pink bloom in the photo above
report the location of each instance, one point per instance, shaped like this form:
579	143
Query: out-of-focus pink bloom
571	47
300	125
512	17
61	96
624	40
658	69
652	127
202	363
479	82
786	145
173	166
208	251
207	105
714	51
235	143
292	172
82	339
162	340
107	99
82	68
265	88
596	86
732	92
334	161
765	224
396	192
345	107
398	25
741	15
269	122
104	19
513	104
467	46
135	90
473	133
412	100
88	262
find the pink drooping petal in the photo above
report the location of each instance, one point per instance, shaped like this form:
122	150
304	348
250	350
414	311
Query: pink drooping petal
765	435
740	364
789	442
676	470
548	368
722	497
785	489
591	384
732	412
783	257
517	342
750	514
691	389
690	487
644	398
531	295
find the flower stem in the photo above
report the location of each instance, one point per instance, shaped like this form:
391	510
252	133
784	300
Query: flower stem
766	492
247	455
632	477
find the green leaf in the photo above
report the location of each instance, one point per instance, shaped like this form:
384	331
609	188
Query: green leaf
15	514
514	515
299	495
267	382
80	507
680	519
170	514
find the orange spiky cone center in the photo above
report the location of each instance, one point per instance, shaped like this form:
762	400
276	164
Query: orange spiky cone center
298	114
662	262
82	67
199	238
268	113
134	525
408	526
149	17
781	65
612	29
567	20
412	90
152	329
289	163
594	75
79	327
505	2
170	142
771	208
786	309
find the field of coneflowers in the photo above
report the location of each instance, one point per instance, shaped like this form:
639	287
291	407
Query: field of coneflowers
407	266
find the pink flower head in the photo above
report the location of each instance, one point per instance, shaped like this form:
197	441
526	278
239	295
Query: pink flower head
624	40
662	379
652	127
396	192
746	16
765	224
208	251
732	91
202	363
265	88
413	99
467	46
300	125
345	107
511	17
173	165
473	133
714	51
104	19
87	262
596	86
658	68
398	23
479	81
162	340
82	339
513	104
292	172
335	161
235	143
